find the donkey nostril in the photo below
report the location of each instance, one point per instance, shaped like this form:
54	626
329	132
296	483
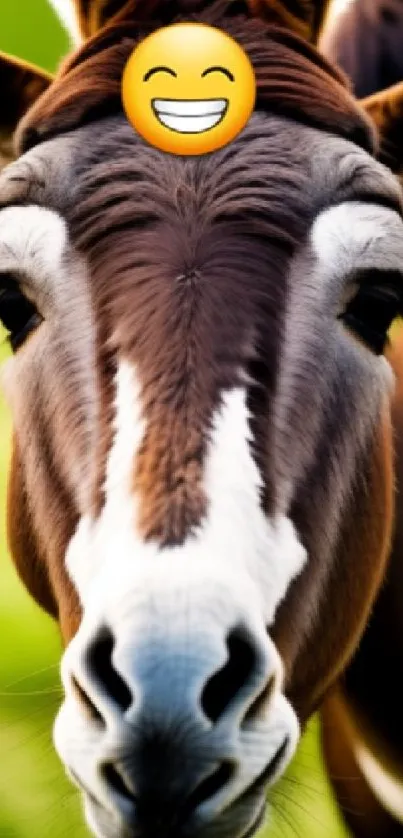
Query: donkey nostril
116	781
236	672
85	701
208	787
99	659
260	703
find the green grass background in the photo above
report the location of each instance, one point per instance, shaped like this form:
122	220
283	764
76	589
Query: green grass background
35	799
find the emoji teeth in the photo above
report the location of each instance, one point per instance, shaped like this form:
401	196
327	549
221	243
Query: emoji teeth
190	116
190	107
189	124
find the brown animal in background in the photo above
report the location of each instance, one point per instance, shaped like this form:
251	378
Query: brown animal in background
365	40
201	490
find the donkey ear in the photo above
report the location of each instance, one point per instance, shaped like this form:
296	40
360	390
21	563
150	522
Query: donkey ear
306	16
93	15
20	84
386	110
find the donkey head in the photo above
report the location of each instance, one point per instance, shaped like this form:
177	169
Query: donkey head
201	484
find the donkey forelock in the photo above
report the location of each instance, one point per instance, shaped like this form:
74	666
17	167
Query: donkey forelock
293	79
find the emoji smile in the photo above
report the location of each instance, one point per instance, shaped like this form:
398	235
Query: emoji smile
190	116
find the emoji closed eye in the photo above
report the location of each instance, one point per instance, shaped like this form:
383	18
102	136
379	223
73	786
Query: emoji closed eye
160	69
219	69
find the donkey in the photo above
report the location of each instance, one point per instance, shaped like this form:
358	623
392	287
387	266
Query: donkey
365	39
202	480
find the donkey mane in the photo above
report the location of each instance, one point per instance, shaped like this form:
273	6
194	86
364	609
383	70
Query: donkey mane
293	79
300	15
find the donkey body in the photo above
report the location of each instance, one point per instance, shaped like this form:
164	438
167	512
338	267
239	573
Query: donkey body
202	480
362	724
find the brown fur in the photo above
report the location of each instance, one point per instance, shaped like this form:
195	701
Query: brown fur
45	578
302	16
184	306
20	84
386	109
341	619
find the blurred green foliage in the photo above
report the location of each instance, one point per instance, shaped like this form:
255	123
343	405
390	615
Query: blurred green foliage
29	28
35	799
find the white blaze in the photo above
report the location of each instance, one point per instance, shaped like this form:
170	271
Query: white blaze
235	539
232	571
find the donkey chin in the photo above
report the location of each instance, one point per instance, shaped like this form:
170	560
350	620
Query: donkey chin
174	721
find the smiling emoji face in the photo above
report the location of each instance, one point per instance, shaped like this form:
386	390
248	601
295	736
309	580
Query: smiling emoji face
188	89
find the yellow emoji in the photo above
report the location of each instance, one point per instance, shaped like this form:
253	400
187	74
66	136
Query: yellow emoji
188	88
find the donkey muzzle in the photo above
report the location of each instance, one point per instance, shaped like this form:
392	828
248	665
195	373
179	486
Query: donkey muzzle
174	722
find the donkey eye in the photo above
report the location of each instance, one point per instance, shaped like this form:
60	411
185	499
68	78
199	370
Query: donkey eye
376	304
17	314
